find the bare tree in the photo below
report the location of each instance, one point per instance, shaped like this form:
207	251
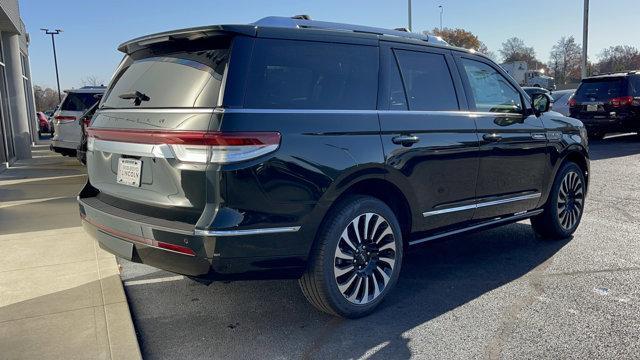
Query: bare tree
91	80
618	58
514	49
565	60
46	98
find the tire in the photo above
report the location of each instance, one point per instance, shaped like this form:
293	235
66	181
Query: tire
567	197
334	281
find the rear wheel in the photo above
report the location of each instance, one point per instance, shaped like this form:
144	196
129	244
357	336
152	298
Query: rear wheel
356	259
565	205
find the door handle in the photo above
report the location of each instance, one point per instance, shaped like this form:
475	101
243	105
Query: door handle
405	140
492	137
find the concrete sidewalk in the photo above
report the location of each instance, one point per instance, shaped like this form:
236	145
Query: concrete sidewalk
61	296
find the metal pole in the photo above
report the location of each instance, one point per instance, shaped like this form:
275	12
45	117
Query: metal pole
55	61
441	10
585	37
409	15
55	56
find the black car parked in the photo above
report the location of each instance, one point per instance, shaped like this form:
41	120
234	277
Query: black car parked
608	103
292	148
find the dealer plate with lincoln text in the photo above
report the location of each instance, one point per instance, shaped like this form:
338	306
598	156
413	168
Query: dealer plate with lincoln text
129	172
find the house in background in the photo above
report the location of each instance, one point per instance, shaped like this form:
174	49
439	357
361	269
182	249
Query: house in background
17	106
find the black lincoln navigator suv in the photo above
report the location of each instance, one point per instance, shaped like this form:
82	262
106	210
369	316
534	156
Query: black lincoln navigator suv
608	103
292	148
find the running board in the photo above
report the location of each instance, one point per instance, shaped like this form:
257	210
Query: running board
493	222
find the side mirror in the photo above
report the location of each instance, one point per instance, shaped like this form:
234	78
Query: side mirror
541	103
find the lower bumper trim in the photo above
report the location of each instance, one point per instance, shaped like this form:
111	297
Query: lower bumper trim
275	230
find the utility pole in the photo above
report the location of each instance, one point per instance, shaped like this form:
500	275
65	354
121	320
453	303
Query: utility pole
55	58
441	10
585	37
409	14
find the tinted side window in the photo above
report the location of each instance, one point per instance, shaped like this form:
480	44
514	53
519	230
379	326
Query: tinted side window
427	81
491	91
312	75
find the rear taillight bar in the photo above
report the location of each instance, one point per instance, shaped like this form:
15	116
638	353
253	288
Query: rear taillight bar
621	101
197	146
64	119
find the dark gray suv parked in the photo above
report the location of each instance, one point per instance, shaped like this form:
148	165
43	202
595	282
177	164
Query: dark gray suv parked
292	148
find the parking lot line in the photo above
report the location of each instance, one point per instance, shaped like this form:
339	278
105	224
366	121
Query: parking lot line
154	280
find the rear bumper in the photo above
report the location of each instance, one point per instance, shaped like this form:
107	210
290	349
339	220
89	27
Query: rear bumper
199	254
61	144
611	124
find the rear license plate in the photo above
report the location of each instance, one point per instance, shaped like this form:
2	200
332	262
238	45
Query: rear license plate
129	171
592	107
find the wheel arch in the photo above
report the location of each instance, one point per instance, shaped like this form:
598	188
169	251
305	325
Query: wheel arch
377	185
579	156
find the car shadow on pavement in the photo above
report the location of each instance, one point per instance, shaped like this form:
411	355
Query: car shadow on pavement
271	319
614	147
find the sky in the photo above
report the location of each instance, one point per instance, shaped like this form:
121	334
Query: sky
92	30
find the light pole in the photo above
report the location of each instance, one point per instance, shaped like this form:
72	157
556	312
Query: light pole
55	58
585	37
409	14
441	10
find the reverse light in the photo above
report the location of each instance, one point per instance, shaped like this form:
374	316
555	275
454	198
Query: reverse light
197	146
621	101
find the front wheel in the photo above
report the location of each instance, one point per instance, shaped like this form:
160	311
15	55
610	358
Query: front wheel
565	205
356	259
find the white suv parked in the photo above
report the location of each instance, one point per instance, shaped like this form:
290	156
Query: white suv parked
66	120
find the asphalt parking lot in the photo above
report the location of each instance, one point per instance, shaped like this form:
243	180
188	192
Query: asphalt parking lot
500	293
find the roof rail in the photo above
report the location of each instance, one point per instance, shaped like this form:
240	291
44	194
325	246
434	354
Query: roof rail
304	21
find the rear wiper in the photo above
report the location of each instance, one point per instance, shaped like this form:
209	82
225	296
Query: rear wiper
137	97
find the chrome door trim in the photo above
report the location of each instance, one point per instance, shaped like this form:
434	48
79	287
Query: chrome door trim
276	230
338	111
482	204
159	110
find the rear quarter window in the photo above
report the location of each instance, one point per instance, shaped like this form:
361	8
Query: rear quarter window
78	101
287	74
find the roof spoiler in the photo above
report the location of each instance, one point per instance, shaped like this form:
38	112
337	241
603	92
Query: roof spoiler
297	22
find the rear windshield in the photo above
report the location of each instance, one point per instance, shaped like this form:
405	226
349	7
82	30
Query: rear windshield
600	89
288	74
78	101
184	78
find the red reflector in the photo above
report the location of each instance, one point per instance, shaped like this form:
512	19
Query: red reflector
186	137
140	239
176	248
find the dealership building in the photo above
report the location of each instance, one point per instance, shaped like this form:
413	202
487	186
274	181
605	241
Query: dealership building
17	106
